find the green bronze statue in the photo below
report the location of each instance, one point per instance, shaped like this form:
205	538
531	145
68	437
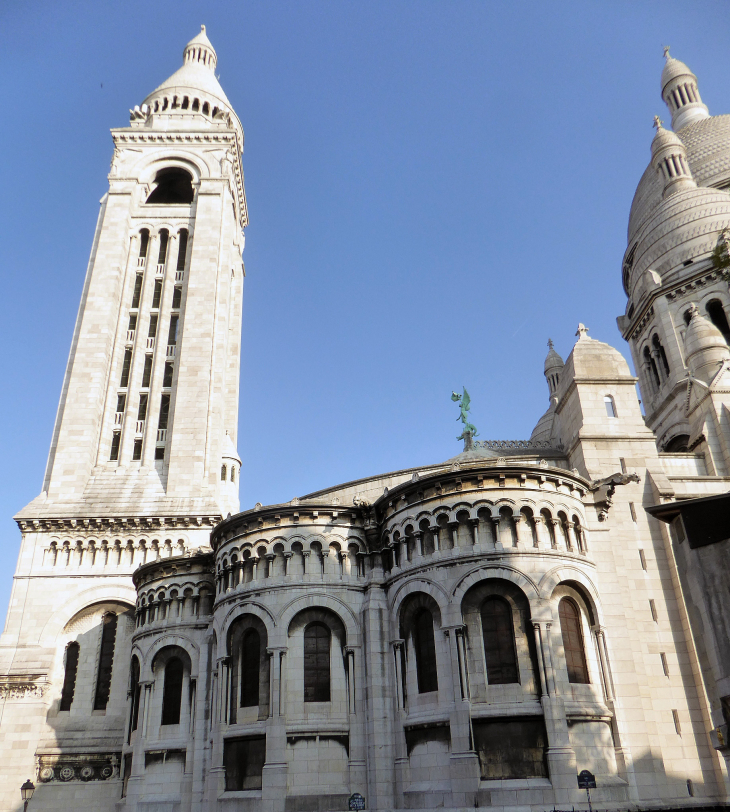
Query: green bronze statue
470	431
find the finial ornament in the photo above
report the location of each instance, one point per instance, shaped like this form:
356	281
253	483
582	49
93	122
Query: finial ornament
666	52
470	431
551	346
582	332
658	123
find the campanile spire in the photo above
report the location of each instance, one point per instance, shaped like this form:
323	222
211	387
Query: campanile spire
681	93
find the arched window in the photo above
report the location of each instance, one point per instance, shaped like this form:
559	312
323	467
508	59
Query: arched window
650	365
173	185
164	239
106	660
608	402
172	692
250	662
570	628
224	473
716	312
182	250
662	355
69	677
678	444
317	663
499	642
424	645
135	690
144	241
233	473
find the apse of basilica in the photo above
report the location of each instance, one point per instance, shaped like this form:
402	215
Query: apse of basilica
471	633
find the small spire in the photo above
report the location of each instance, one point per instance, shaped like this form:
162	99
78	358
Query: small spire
582	332
551	346
666	51
658	123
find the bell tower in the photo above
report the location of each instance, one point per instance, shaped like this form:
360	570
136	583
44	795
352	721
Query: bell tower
143	460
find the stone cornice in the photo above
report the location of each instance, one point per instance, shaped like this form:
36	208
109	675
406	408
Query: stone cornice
23	686
115	524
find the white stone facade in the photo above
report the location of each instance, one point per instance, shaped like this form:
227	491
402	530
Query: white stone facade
467	634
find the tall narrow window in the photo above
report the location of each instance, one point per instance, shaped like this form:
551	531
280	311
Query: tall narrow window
176	297
147	373
157	293
499	642
651	370
132	321
144	242
114	453
224	473
162	256
164	412
160	452
250	662
167	377
135	690
137	449
716	312
233	473
152	332
660	351
425	649
69	677
610	405
172	335
182	250
126	364
137	290
142	410
172	692
317	663
121	401
570	628
106	660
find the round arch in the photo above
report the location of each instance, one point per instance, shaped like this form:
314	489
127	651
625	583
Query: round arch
179	640
312	601
96	594
567	574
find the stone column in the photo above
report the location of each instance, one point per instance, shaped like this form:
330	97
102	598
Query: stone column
418	553
497	535
287	562
454	533
475	533
357	763
556	533
403	551
606	676
305	561
436	537
570	533
402	764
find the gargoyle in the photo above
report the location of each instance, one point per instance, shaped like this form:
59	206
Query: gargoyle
606	488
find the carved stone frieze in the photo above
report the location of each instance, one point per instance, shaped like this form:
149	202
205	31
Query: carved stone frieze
117	524
78	767
22	686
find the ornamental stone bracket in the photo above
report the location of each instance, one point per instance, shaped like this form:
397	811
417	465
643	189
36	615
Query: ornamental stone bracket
23	686
605	488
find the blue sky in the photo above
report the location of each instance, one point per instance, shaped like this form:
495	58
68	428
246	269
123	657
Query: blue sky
434	189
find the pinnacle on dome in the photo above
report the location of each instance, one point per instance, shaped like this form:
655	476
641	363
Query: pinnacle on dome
681	93
553	367
669	159
200	51
705	347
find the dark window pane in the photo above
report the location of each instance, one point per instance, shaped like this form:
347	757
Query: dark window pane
137	290
135	690
172	692
126	363
570	628
144	242
157	293
142	410
160	452
164	412
106	660
121	400
167	377
176	296
243	760
316	663
223	473
162	256
69	677
182	251
425	648
250	666
114	454
152	332
132	321
137	450
147	374
172	336
499	642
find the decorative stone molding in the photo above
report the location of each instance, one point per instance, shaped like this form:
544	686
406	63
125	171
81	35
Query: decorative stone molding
115	524
78	767
23	686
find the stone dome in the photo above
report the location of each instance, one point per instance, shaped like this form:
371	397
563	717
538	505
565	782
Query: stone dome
679	228
674	68
594	359
543	431
553	361
708	154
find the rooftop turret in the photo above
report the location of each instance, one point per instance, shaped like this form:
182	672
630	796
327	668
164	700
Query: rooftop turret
681	94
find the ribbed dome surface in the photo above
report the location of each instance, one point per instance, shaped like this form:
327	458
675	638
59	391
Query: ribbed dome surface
687	223
673	68
553	360
708	153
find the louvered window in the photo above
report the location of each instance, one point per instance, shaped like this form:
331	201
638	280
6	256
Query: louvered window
499	642
316	663
570	628
69	677
106	661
